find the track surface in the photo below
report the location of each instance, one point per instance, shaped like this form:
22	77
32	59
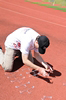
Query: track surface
52	23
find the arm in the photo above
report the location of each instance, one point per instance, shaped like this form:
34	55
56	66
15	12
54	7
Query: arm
39	58
27	62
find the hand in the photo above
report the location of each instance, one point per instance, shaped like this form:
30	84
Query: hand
49	68
43	72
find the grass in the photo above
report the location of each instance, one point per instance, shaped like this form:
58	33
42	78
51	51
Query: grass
61	2
49	6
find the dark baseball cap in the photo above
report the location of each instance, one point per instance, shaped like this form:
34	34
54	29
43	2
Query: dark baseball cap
43	42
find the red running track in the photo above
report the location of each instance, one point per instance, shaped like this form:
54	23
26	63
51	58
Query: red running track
15	14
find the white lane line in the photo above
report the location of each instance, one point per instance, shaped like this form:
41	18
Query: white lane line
32	17
32	9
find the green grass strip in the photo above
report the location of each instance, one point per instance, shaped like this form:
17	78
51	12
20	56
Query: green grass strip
47	5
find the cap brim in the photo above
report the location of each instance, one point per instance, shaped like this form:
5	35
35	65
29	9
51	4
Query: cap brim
41	51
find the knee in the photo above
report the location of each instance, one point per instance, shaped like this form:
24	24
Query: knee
7	69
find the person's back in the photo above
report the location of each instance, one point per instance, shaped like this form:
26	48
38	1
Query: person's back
20	38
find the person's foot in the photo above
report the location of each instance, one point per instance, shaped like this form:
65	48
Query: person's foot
0	48
0	51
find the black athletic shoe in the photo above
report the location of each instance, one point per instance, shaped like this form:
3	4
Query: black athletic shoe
0	47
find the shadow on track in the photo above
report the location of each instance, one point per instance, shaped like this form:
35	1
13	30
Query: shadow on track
49	80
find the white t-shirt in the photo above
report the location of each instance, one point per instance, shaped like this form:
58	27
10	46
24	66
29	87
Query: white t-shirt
22	39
